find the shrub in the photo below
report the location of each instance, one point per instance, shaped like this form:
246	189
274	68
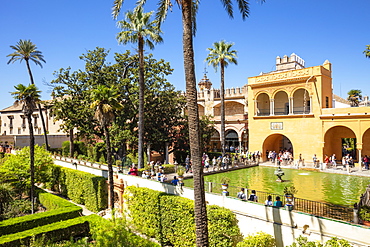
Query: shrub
170	218
91	190
59	209
168	168
55	232
260	239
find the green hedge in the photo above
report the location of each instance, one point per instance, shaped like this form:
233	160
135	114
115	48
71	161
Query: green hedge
60	209
170	219
62	230
84	188
81	187
51	201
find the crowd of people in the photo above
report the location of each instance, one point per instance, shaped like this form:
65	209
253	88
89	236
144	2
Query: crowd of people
254	198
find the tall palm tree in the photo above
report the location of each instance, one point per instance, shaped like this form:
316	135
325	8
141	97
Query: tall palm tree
221	55
27	51
188	10
29	97
105	104
137	28
367	51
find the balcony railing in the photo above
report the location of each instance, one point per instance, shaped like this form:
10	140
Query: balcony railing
301	110
263	112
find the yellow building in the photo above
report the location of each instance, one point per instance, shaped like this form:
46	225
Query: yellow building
293	107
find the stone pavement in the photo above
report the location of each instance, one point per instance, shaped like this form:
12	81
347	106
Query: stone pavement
338	170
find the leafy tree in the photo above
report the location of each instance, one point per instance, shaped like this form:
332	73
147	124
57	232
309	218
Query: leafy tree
138	28
221	55
354	97
188	10
367	51
71	96
26	50
105	104
28	97
206	129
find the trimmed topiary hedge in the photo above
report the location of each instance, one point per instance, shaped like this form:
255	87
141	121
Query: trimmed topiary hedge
62	230
81	187
170	219
59	209
84	188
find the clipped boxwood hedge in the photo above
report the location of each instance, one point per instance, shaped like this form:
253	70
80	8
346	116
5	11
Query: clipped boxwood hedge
58	209
170	219
58	231
81	187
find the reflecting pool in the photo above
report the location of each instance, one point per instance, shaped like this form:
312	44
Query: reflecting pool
317	186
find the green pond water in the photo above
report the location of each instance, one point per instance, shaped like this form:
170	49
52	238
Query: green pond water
316	186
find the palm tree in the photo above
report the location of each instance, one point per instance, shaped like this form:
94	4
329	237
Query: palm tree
354	97
27	51
188	10
221	55
105	104
138	28
29	97
367	51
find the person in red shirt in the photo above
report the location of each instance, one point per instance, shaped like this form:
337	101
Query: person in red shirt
133	171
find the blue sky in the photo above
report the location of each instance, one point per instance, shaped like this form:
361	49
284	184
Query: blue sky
315	30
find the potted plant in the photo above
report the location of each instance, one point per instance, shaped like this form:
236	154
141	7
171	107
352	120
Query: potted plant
180	174
364	215
225	185
289	192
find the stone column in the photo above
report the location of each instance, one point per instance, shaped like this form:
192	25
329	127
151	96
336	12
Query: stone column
240	142
255	108
272	105
310	104
359	157
291	106
166	153
148	153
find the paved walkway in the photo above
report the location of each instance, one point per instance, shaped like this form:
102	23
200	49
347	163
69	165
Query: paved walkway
338	170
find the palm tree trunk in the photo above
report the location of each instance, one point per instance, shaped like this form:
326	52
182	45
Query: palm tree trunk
32	161
44	127
141	103
110	167
40	110
200	210
222	95
71	144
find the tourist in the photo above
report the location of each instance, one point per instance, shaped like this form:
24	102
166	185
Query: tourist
187	165
133	171
214	163
241	194
315	161
326	161
175	181
334	160
224	162
253	197
366	162
278	203
163	178
206	163
268	202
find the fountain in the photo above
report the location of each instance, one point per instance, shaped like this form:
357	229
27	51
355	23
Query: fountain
279	173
